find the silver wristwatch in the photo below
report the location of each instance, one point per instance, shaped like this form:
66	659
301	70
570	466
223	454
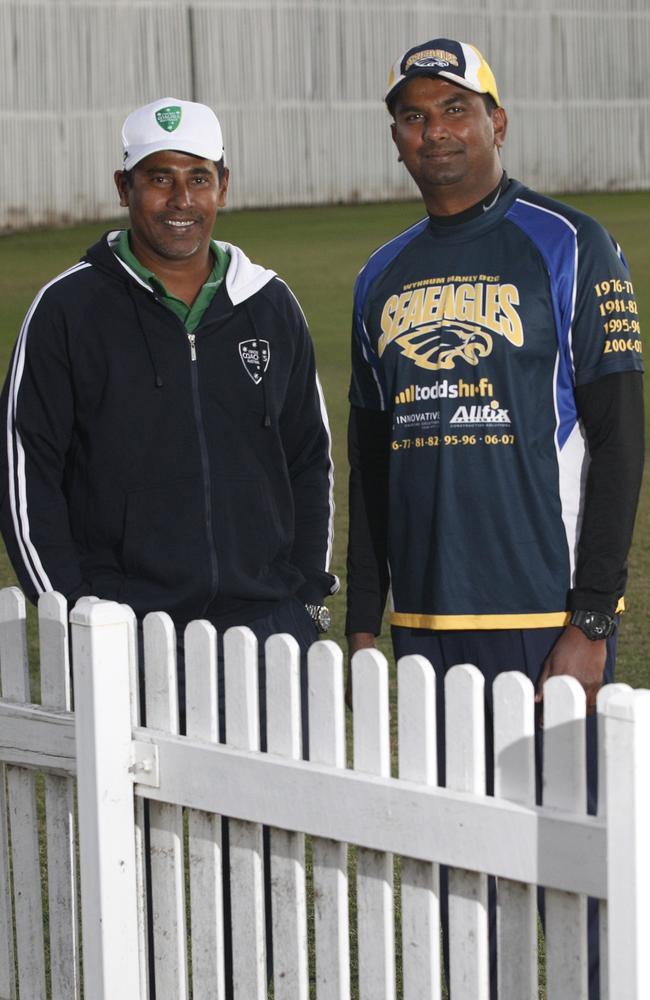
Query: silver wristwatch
320	616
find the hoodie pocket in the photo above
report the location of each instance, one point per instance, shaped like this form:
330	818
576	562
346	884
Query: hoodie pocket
248	527
165	535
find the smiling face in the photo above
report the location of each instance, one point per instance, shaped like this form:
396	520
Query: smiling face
449	142
173	199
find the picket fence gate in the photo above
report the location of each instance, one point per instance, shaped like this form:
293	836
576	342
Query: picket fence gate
190	781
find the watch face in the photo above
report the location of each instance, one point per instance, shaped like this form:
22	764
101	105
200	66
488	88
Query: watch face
594	624
323	619
597	624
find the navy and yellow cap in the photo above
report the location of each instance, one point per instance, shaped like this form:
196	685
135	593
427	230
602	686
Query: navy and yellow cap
459	62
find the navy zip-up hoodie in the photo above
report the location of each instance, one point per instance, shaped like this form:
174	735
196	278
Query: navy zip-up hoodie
187	475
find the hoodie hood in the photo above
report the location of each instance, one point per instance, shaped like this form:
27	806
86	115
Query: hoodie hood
243	277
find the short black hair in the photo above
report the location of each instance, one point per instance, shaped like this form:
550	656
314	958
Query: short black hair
490	104
219	164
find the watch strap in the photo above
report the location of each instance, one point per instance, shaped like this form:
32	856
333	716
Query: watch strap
320	616
594	624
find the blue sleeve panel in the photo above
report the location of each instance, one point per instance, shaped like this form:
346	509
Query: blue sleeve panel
555	238
368	386
596	317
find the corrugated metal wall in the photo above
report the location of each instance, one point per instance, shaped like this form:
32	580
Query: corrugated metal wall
298	87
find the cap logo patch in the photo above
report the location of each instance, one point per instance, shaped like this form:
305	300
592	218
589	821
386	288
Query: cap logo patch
432	57
250	358
440	63
169	118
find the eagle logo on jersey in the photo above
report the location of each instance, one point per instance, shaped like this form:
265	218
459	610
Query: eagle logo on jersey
439	345
451	320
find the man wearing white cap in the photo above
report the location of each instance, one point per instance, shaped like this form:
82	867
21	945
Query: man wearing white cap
496	427
166	440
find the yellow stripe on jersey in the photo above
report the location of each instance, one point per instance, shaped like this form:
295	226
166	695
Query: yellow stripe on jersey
552	619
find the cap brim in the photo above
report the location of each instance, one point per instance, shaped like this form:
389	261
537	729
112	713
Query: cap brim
138	153
452	77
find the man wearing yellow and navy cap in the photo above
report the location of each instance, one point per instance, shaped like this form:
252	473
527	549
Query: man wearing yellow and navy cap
457	62
496	427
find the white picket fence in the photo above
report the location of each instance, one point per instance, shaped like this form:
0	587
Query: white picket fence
191	781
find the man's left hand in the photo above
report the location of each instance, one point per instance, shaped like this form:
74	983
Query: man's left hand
574	655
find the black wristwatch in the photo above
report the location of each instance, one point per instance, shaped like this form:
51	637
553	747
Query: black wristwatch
594	624
320	616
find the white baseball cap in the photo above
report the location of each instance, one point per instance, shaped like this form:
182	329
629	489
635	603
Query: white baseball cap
171	124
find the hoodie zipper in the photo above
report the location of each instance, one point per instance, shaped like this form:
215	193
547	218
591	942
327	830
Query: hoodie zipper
207	489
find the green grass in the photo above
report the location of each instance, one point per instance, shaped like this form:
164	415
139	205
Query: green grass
318	251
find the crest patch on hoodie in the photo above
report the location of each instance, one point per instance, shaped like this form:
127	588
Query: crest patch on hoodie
250	358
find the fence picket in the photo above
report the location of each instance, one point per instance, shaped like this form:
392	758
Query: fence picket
604	696
204	829
288	888
375	925
627	751
100	655
59	806
7	962
421	973
465	760
7	973
329	857
21	807
605	856
246	863
514	779
140	810
565	787
165	821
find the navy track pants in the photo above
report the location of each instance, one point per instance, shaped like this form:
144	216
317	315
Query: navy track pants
493	652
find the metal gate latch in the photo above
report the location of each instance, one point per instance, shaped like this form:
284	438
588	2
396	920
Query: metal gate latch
145	766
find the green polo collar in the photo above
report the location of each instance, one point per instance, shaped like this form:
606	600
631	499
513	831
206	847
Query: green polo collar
190	316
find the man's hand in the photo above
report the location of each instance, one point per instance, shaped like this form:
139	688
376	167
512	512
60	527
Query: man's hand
574	655
356	641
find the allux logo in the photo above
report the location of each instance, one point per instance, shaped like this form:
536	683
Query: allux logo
169	118
490	413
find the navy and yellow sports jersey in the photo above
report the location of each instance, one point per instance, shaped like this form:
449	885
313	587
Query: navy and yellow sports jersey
475	338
